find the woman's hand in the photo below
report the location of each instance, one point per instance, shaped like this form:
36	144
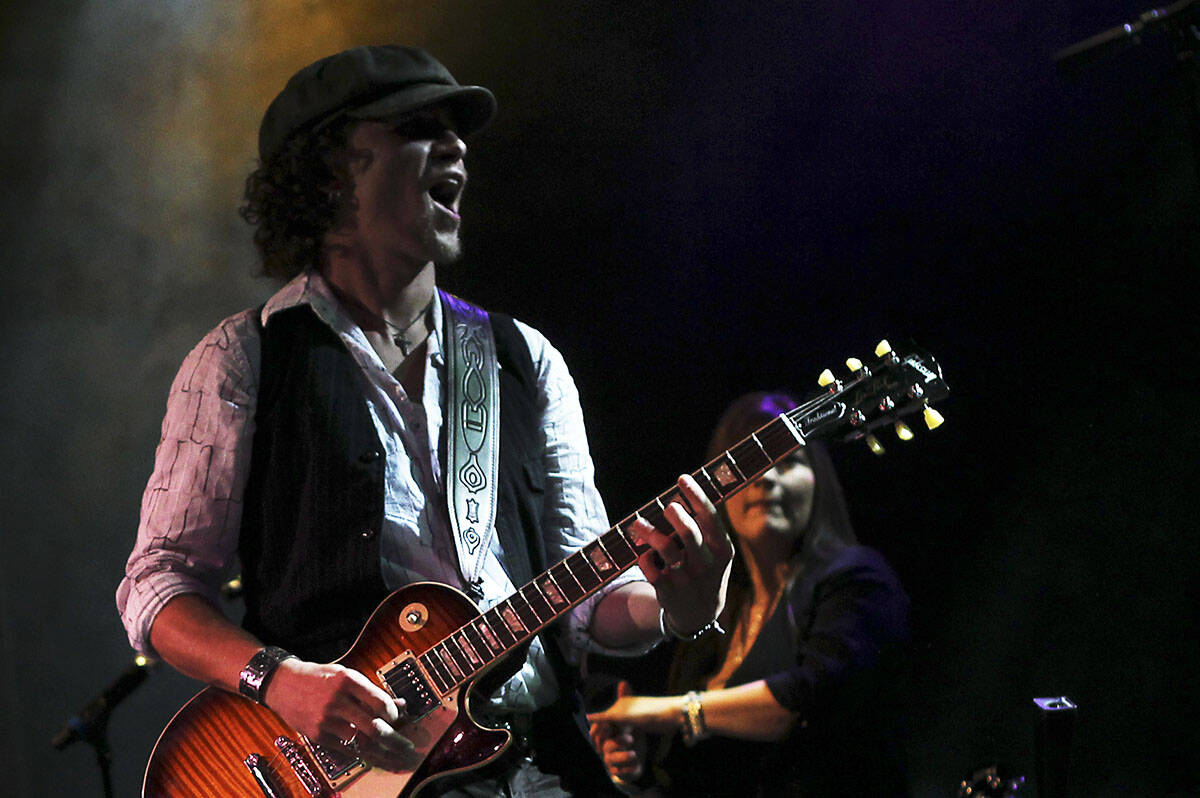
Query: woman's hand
622	749
658	714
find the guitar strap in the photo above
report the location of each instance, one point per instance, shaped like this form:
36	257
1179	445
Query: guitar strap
472	432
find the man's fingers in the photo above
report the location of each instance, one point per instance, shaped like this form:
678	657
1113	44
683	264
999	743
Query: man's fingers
711	532
387	737
395	759
372	697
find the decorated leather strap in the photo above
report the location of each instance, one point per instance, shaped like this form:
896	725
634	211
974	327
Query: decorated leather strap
472	431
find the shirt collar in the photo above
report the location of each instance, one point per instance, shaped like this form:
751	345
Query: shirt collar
309	288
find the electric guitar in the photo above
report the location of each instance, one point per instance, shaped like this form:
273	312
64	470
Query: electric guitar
428	643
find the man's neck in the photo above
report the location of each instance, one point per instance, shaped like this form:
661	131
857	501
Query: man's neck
397	293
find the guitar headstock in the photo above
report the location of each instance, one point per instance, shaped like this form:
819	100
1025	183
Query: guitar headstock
874	394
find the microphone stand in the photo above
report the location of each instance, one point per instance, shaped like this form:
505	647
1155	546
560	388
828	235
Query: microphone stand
1181	21
91	724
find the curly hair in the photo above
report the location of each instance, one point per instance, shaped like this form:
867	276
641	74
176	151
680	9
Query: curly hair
297	197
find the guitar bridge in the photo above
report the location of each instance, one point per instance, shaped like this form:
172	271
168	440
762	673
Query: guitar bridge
295	757
339	769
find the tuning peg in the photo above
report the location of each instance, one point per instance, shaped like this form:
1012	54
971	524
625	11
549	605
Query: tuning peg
933	419
826	378
874	445
853	363
882	348
903	432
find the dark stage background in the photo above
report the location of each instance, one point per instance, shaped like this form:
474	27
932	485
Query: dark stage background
691	200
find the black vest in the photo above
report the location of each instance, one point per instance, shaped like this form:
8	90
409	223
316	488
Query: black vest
313	508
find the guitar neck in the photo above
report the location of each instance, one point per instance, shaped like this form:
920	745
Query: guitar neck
898	386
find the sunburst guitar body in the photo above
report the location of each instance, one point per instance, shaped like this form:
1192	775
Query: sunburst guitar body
221	744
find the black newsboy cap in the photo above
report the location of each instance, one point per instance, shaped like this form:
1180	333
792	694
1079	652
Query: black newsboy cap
374	82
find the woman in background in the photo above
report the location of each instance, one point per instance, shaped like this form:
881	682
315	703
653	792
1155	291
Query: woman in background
800	697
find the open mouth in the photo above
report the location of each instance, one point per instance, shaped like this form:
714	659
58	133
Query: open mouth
445	192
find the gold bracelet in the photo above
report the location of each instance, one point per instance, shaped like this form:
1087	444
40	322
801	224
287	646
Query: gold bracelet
694	727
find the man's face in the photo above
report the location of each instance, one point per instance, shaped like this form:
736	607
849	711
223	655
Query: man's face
408	180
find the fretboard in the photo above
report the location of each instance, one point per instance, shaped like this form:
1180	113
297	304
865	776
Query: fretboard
513	621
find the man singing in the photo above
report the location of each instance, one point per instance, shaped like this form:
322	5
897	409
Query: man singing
328	441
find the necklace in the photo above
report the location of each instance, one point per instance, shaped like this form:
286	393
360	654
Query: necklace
398	333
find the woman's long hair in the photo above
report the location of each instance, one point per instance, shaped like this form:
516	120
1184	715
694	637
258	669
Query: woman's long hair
829	528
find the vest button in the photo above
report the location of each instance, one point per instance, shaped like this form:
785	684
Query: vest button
368	533
369	456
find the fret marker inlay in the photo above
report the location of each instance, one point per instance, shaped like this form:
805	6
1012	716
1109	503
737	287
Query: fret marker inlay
514	623
725	475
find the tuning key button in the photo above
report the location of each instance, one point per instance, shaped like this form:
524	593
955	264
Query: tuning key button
882	348
874	445
903	432
826	378
854	364
933	419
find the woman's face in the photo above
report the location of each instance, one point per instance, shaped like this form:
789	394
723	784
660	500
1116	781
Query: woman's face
777	503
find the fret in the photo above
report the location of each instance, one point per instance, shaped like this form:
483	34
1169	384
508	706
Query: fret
676	495
654	513
512	621
500	627
742	474
582	570
750	457
433	666
617	545
777	439
456	651
725	475
550	590
489	636
466	647
479	642
762	450
600	560
443	655
636	544
524	611
537	602
567	582
708	485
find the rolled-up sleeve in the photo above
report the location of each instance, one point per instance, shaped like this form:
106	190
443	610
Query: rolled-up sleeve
192	507
574	512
